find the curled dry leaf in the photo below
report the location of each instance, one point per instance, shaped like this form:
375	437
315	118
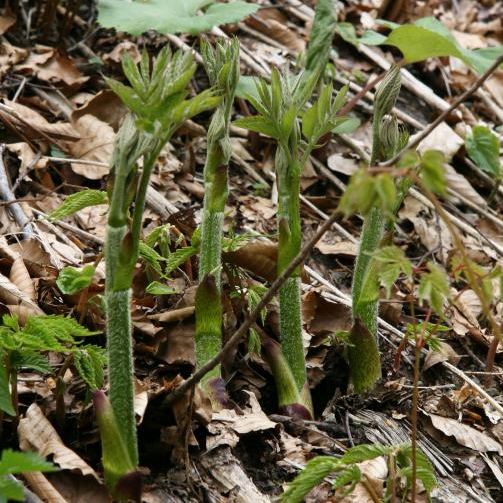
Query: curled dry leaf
375	471
466	435
20	277
446	353
43	488
258	257
37	433
322	316
11	294
443	139
273	24
26	155
459	184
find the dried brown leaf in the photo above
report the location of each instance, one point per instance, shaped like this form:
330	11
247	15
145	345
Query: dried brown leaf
7	19
11	294
446	353
258	257
20	277
95	144
37	433
43	488
466	435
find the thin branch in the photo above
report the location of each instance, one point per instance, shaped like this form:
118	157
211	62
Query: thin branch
421	136
243	329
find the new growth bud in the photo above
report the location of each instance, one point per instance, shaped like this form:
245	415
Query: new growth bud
389	135
387	93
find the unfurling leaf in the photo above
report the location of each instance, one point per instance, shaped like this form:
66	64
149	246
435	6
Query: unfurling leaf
78	201
90	361
392	262
71	280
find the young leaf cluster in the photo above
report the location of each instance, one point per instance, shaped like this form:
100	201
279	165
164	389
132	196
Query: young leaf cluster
347	473
20	347
157	96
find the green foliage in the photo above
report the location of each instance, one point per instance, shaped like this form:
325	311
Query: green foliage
13	462
89	360
71	280
151	257
322	33
178	257
392	262
348	474
78	201
432	171
157	288
19	348
157	97
425	38
170	16
483	147
434	287
314	472
366	192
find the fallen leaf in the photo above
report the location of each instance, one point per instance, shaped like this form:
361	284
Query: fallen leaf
466	435
443	139
20	277
7	19
37	433
445	354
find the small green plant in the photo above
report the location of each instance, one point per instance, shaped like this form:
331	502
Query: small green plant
13	462
20	347
483	147
157	100
170	16
284	116
347	472
222	67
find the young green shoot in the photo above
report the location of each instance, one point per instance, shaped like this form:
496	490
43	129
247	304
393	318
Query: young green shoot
222	67
284	116
158	107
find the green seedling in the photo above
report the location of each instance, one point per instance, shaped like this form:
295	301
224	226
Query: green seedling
347	473
20	347
222	67
158	104
387	139
284	116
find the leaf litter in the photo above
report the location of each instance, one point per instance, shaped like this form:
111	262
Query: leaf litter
56	107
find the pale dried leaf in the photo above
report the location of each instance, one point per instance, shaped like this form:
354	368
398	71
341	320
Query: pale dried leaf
459	184
37	433
11	294
26	155
446	353
466	435
43	488
95	144
443	139
20	277
375	470
341	164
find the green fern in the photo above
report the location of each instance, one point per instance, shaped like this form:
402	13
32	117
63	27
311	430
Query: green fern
77	202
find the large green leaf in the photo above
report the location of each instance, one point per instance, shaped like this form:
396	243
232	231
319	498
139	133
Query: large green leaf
424	39
170	16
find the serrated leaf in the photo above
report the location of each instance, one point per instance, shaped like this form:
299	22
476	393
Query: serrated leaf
364	452
30	359
170	16
483	147
178	257
314	472
392	263
89	361
71	280
322	33
151	257
78	201
18	462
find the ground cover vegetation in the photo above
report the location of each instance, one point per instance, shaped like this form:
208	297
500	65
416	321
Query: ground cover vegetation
178	374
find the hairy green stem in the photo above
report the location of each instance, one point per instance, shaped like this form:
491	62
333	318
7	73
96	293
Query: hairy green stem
222	66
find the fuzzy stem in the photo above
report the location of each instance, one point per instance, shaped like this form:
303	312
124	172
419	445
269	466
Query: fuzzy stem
222	66
289	246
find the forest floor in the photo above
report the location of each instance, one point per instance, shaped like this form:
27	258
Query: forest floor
56	107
